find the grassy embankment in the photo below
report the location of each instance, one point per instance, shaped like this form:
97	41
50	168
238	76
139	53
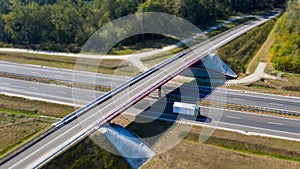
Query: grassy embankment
238	53
222	150
105	66
87	154
21	119
288	85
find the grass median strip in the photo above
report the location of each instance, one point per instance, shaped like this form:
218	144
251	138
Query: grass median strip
55	81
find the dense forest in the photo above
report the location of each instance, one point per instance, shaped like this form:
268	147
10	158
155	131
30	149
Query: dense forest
65	25
285	52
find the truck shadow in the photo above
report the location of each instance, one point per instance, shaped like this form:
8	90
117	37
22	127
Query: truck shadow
160	117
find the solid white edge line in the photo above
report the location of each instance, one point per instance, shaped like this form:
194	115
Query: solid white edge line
276	104
270	122
232	117
294	119
266	94
40	99
229	129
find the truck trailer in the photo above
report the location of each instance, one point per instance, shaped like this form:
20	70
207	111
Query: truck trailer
186	109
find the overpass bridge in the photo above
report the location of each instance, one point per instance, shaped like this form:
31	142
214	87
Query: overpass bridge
105	108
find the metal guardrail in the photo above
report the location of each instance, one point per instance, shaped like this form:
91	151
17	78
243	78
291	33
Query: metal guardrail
84	109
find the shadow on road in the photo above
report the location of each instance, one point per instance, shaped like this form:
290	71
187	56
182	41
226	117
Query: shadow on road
158	118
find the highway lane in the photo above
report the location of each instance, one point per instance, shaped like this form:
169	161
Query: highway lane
57	94
231	119
46	92
114	81
69	133
245	122
275	102
62	74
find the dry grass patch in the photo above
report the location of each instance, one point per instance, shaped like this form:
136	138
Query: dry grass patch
256	145
42	108
15	129
195	155
106	66
271	147
21	119
262	55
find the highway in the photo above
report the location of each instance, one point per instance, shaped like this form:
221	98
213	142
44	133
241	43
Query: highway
263	124
64	95
252	123
104	109
45	92
61	74
256	123
248	123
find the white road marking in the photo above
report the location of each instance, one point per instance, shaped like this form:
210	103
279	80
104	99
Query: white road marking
4	83
60	91
89	95
58	76
280	124
31	87
254	114
232	117
276	104
238	99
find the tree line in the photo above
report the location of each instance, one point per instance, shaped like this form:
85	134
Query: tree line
65	25
285	51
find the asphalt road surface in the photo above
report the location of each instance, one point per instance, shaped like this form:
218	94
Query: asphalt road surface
80	97
62	74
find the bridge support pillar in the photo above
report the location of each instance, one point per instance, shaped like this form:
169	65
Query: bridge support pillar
159	92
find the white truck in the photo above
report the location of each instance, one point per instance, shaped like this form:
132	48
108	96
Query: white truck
186	109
